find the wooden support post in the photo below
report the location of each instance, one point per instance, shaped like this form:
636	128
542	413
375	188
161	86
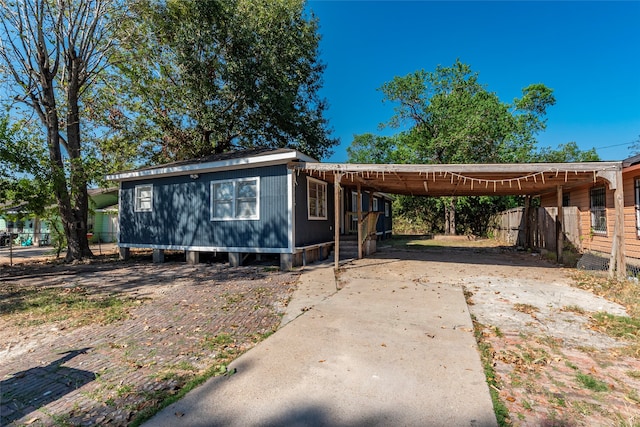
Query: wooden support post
559	225
359	211
527	223
618	262
336	219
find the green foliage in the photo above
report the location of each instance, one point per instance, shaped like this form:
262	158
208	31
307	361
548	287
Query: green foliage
450	117
245	73
565	153
591	383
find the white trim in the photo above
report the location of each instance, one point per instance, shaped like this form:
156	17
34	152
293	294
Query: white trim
136	197
221	165
291	215
206	248
324	201
234	181
120	192
374	205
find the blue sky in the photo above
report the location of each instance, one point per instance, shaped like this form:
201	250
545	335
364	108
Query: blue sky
588	52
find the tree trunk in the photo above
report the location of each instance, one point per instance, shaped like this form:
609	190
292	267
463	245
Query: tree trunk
78	243
450	216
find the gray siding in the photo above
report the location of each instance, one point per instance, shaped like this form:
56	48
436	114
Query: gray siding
308	231
181	215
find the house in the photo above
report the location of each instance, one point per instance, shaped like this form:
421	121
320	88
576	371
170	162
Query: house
595	213
241	203
28	229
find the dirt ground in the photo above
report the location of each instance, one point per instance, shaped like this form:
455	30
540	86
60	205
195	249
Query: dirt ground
537	324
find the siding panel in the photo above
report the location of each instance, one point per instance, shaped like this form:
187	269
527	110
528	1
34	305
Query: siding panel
181	213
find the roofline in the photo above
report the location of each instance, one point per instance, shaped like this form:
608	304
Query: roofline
220	165
468	168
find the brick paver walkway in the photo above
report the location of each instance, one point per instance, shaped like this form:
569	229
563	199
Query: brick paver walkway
188	319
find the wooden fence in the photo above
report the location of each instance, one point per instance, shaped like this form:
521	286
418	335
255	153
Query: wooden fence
510	227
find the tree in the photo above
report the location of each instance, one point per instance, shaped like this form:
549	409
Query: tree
245	73
54	50
565	153
452	118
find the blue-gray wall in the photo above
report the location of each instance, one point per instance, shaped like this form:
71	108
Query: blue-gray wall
181	213
312	231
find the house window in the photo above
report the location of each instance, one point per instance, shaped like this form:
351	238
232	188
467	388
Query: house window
316	199
637	191
387	209
143	198
235	199
598	210
375	204
565	200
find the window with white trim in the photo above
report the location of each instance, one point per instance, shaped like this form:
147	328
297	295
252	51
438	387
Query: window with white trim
316	199
143	198
387	209
235	199
598	210
637	191
375	204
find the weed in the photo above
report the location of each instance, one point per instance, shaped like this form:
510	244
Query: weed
220	339
124	390
526	405
500	409
526	308
585	408
30	306
591	383
571	365
498	332
634	374
573	309
622	327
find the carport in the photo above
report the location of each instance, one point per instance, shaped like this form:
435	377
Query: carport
524	179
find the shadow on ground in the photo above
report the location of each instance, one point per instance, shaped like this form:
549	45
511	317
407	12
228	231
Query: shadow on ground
28	390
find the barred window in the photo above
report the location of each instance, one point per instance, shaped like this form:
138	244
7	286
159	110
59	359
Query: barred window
598	210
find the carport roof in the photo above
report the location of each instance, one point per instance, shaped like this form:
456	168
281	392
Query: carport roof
464	179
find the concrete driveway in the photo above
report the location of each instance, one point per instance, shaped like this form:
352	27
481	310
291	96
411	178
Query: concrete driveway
382	351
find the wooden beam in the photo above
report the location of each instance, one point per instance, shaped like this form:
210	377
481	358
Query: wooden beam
359	211
336	219
559	225
617	261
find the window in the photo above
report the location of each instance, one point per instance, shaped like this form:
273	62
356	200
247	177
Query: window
316	199
637	191
375	204
235	199
387	209
565	200
598	210
144	198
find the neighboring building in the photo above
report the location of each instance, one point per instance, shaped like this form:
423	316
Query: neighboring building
596	215
243	202
27	229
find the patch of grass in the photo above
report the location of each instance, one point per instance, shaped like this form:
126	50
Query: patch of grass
624	292
622	327
218	340
30	306
571	365
486	355
124	390
591	383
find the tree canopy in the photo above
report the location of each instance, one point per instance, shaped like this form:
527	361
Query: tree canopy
54	51
448	116
244	73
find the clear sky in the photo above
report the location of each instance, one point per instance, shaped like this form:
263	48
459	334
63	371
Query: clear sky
587	52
